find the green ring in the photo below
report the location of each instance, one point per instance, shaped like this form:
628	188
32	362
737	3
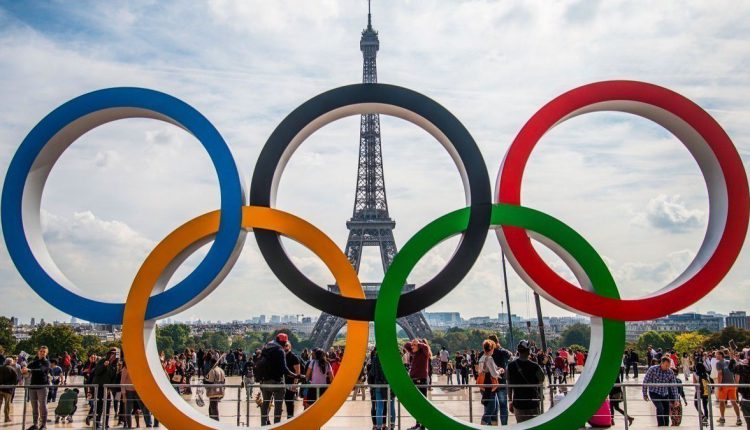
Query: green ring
605	351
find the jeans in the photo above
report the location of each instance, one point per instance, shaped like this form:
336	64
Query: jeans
52	394
278	400
38	399
489	400
661	402
249	387
502	401
379	398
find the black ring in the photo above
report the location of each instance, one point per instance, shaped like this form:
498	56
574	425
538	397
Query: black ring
472	239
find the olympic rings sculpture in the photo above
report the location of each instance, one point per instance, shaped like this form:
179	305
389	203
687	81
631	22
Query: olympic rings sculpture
515	225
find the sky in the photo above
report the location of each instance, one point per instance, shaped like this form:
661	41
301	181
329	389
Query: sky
624	183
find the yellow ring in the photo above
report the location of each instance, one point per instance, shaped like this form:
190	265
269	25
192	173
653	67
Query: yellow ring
138	335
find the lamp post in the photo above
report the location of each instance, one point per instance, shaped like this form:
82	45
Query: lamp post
507	300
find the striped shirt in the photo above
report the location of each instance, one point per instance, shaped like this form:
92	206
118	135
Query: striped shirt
656	375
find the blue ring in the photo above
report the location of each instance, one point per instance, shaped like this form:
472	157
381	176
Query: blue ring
165	105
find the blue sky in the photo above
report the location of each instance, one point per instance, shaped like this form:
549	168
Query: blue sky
624	183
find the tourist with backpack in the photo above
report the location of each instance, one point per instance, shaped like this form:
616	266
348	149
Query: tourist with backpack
270	370
215	379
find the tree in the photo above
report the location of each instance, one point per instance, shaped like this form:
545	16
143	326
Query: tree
178	334
7	340
688	342
721	339
664	340
58	338
579	334
92	345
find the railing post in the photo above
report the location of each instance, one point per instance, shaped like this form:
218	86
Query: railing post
710	407
239	404
95	393
540	390
105	408
25	401
471	406
625	405
247	405
387	406
399	414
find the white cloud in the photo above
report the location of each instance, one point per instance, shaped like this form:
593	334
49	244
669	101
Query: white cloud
670	214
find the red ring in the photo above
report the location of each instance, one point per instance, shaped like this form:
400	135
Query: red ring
669	300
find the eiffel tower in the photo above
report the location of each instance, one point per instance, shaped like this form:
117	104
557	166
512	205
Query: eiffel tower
370	225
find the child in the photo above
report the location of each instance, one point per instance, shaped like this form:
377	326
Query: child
67	405
55	374
449	370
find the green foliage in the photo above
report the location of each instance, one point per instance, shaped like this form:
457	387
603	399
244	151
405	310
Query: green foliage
576	347
58	338
456	339
664	340
688	342
721	339
174	338
7	340
577	334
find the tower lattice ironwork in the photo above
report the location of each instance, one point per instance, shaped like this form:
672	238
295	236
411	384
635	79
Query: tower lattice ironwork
370	224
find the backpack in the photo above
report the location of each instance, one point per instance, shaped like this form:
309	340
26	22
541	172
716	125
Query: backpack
66	405
262	366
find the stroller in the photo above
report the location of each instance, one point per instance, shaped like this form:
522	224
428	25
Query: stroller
67	405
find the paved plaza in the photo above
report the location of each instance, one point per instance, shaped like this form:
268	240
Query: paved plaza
355	414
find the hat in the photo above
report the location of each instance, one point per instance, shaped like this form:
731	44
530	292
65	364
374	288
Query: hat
282	338
523	345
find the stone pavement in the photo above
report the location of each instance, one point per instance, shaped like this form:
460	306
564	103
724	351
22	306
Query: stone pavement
356	414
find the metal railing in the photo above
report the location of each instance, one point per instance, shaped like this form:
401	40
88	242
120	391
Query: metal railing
462	401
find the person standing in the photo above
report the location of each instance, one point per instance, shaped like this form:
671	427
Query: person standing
215	379
418	371
271	370
56	377
294	364
724	375
444	358
8	379
489	377
501	357
38	369
702	391
634	362
525	379
379	394
742	376
105	373
66	362
661	395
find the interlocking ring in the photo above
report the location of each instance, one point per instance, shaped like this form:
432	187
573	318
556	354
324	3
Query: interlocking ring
139	338
363	99
607	336
707	141
34	159
722	168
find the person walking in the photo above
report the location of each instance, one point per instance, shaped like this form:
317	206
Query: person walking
56	378
8	379
38	369
661	395
615	398
702	391
724	375
271	369
525	379
686	365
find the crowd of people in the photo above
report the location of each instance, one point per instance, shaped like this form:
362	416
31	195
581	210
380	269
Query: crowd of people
510	382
